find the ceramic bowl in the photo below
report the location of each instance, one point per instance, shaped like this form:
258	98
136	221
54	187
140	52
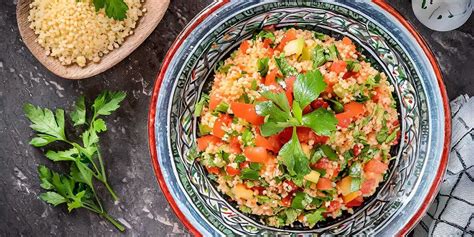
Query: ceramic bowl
381	33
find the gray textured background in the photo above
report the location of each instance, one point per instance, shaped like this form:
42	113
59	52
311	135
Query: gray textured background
125	145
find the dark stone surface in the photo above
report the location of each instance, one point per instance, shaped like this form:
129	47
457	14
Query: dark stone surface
23	79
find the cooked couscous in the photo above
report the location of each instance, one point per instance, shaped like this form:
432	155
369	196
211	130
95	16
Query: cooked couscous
73	32
298	127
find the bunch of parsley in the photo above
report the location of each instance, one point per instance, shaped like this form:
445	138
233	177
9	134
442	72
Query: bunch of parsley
76	189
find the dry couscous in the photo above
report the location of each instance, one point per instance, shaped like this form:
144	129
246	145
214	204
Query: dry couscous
298	127
73	32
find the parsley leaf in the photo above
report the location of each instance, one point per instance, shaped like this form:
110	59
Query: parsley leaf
262	65
284	67
45	122
308	86
293	157
315	217
116	9
78	116
322	121
107	102
249	174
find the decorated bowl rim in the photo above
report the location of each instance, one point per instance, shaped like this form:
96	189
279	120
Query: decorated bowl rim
199	18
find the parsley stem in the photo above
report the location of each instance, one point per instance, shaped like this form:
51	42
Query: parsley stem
104	214
104	176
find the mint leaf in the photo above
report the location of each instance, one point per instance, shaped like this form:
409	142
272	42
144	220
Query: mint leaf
284	67
262	65
308	86
293	157
53	198
107	102
78	115
322	121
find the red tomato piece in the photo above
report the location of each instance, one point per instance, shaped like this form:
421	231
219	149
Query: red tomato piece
232	171
247	112
367	186
256	154
286	201
375	166
378	93
356	149
214	102
338	66
289	36
203	142
259	189
271	143
213	170
270	79
285	135
346	40
333	206
350	74
351	110
244	46
224	119
234	144
319	103
291	186
355	202
244	165
324	184
322	164
308	109
289	89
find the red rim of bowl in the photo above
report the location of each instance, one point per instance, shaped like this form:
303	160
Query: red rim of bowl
212	8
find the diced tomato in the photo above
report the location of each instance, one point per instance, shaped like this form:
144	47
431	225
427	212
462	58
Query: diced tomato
246	112
243	165
351	196
291	185
286	201
308	109
329	83
396	123
213	170
397	139
356	149
350	74
375	166
224	119
355	202
203	142
232	171
351	110
367	186
378	93
244	46
270	79
259	189
319	103
257	154
322	164
267	42
234	144
333	206
289	89
338	66
271	143
346	40
289	36
324	184
214	102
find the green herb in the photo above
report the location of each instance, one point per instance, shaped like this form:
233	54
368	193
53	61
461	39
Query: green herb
264	34
86	164
293	157
254	85
284	67
248	173
320	36
392	135
329	152
204	129
255	166
290	215
355	170
116	9
262	65
247	138
222	67
222	107
355	184
315	217
382	135
333	53
322	121
353	66
337	106
263	199
308	86
361	98
203	101
301	200
318	56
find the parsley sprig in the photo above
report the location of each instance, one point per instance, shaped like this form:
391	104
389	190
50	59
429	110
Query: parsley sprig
280	115
116	9
77	189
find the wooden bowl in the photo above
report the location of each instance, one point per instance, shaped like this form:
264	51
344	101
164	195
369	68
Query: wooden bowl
146	24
